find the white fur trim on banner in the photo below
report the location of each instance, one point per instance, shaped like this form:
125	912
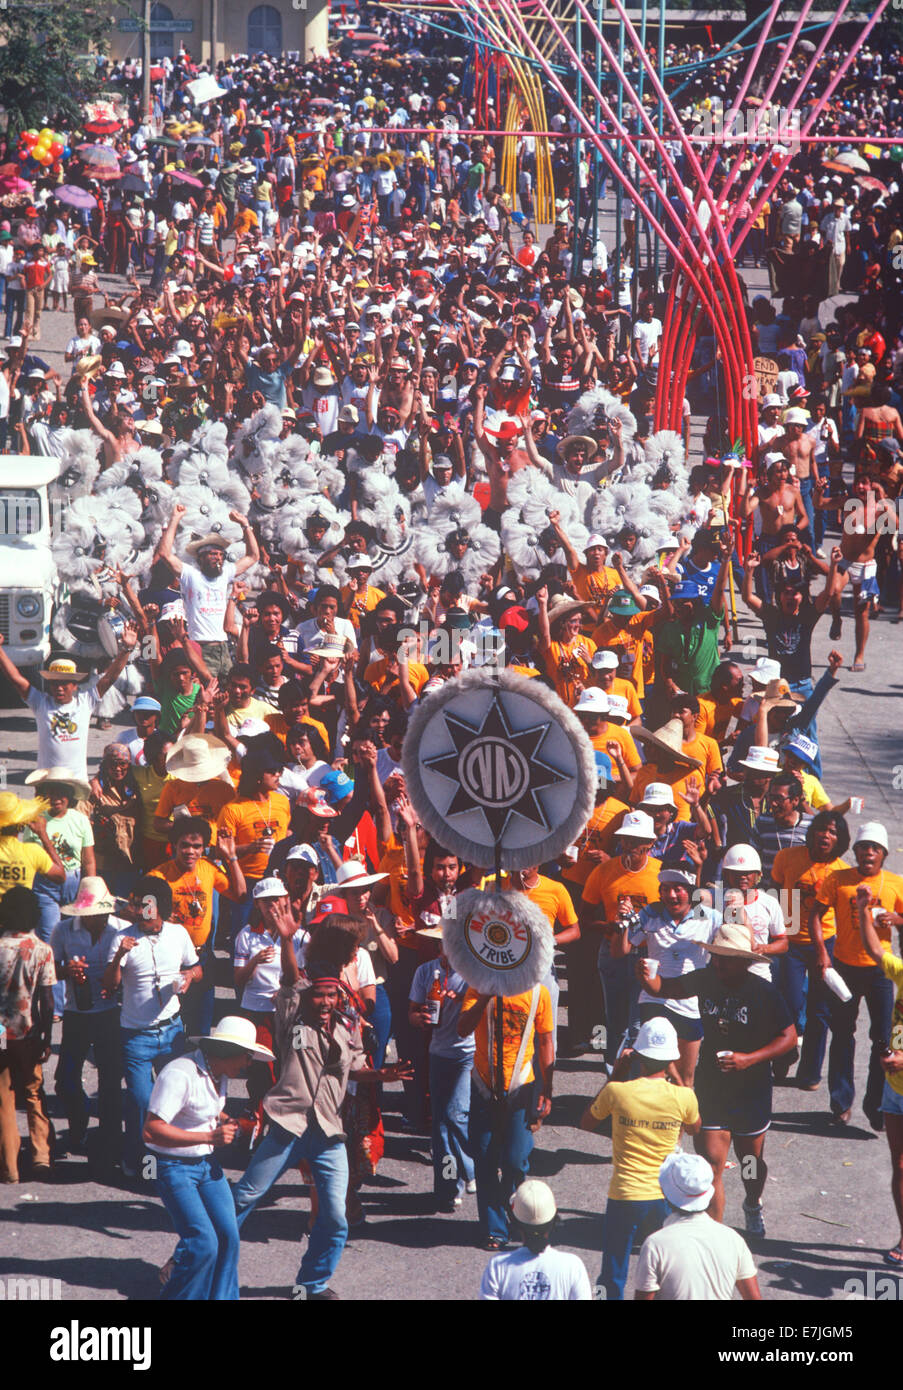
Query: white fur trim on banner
500	943
499	759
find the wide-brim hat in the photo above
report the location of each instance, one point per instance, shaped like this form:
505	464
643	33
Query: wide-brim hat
732	939
561	607
197	758
15	811
352	874
239	1032
563	445
667	739
212	540
61	776
88	366
63	668
93	899
333	646
778	695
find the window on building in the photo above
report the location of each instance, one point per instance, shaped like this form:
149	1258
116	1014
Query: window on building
264	30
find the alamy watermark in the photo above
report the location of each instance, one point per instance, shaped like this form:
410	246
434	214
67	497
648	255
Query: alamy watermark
751	125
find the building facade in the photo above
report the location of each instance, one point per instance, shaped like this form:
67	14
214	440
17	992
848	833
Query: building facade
218	29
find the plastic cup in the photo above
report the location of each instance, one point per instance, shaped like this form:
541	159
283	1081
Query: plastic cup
837	984
722	1055
651	968
856	805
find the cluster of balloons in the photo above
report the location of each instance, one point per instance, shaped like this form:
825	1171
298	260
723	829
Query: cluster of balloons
43	146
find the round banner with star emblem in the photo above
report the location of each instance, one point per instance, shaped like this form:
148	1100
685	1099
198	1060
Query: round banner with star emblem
499	761
500	943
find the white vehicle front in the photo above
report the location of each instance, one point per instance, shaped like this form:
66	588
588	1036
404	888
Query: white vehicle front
28	579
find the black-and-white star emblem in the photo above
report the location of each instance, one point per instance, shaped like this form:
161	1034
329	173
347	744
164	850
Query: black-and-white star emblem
496	770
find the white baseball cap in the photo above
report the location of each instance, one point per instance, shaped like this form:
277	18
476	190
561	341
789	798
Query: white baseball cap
872	832
618	707
605	661
658	794
533	1204
269	888
305	852
657	1039
743	859
636	825
594	540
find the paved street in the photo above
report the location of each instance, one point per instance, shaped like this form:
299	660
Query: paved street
827	1203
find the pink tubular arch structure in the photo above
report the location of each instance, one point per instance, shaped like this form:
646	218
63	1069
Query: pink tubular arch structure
707	230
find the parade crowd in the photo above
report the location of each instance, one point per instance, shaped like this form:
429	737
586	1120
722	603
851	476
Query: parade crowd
340	429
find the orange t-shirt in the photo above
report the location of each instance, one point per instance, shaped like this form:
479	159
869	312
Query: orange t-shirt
675	778
617	733
635	639
192	894
251	820
599	834
838	890
616	887
565	684
516	1009
205	799
793	869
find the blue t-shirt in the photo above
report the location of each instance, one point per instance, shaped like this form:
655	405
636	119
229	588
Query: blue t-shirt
271	385
706	578
445	1041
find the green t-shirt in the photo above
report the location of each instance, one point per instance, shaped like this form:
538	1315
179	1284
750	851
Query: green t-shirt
694	652
69	835
173	706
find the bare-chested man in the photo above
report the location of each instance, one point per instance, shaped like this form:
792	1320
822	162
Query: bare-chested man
504	456
868	514
798	448
779	504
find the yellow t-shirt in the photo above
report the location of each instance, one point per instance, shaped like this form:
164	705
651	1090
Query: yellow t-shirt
595	587
20	862
355	604
893	968
628	690
515	1012
192	895
617	733
838	890
674	777
375	675
793	869
715	715
577	667
646	1118
814	792
707	751
612	885
251	820
254	709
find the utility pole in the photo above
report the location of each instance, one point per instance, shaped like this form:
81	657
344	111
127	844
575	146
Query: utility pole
146	59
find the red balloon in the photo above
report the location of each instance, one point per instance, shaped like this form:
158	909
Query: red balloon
29	138
56	148
229	271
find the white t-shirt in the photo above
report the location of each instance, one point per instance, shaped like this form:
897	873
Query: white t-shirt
186	1095
205	602
519	1276
259	991
693	1258
148	972
296	779
309	635
63	729
646	335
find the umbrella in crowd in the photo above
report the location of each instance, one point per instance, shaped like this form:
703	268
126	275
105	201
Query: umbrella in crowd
73	196
181	177
850	160
100	156
104	126
870	182
11	183
132	183
165	140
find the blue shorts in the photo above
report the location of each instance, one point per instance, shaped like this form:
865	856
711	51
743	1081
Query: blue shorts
891	1100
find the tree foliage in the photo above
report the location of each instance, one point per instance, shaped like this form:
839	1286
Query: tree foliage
47	63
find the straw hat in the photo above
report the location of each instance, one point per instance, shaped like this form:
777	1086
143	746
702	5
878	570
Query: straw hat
592	447
197	758
668	739
15	811
89	366
93	899
62	776
562	607
778	696
732	939
63	668
213	540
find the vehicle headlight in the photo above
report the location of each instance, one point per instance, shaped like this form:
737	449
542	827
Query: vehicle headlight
28	606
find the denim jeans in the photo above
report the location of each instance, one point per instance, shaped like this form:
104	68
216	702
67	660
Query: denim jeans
620	990
381	1021
102	1032
51	897
806	495
15	312
803	689
199	1201
328	1161
622	1221
866	982
810	1005
450	1096
501	1143
144	1051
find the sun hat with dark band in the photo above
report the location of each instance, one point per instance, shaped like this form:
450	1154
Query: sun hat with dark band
63	668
